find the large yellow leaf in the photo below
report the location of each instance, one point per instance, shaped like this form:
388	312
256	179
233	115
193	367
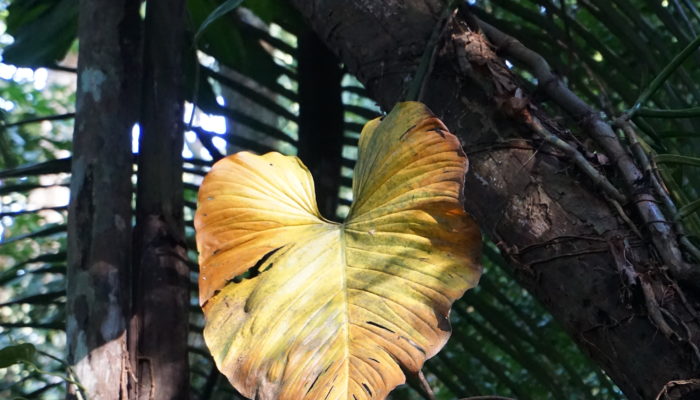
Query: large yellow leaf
320	310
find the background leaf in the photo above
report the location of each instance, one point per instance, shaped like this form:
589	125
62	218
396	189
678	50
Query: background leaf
16	354
43	31
223	9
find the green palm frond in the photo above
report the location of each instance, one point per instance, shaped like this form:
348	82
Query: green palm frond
246	69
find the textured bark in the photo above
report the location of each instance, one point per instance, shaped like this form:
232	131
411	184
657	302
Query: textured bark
99	225
563	240
159	327
320	118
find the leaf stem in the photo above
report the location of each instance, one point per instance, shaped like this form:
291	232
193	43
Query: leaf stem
663	75
691	112
417	86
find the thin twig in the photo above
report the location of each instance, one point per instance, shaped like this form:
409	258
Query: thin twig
684	300
654	310
425	386
57	117
649	169
578	159
73	377
618	248
693	383
664	74
689	334
425	67
62	68
557	240
565	255
691	112
621	212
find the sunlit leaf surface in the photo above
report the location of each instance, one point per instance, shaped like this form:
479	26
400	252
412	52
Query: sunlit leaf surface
298	307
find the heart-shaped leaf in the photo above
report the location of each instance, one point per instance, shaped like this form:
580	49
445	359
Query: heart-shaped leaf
298	307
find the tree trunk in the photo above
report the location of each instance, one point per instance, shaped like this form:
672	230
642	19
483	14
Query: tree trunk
564	241
321	119
159	328
107	285
99	225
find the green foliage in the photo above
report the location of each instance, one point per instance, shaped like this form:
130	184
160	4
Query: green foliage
32	224
614	54
224	8
232	42
278	12
15	354
43	31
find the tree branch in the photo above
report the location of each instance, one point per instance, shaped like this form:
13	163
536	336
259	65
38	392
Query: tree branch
662	236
